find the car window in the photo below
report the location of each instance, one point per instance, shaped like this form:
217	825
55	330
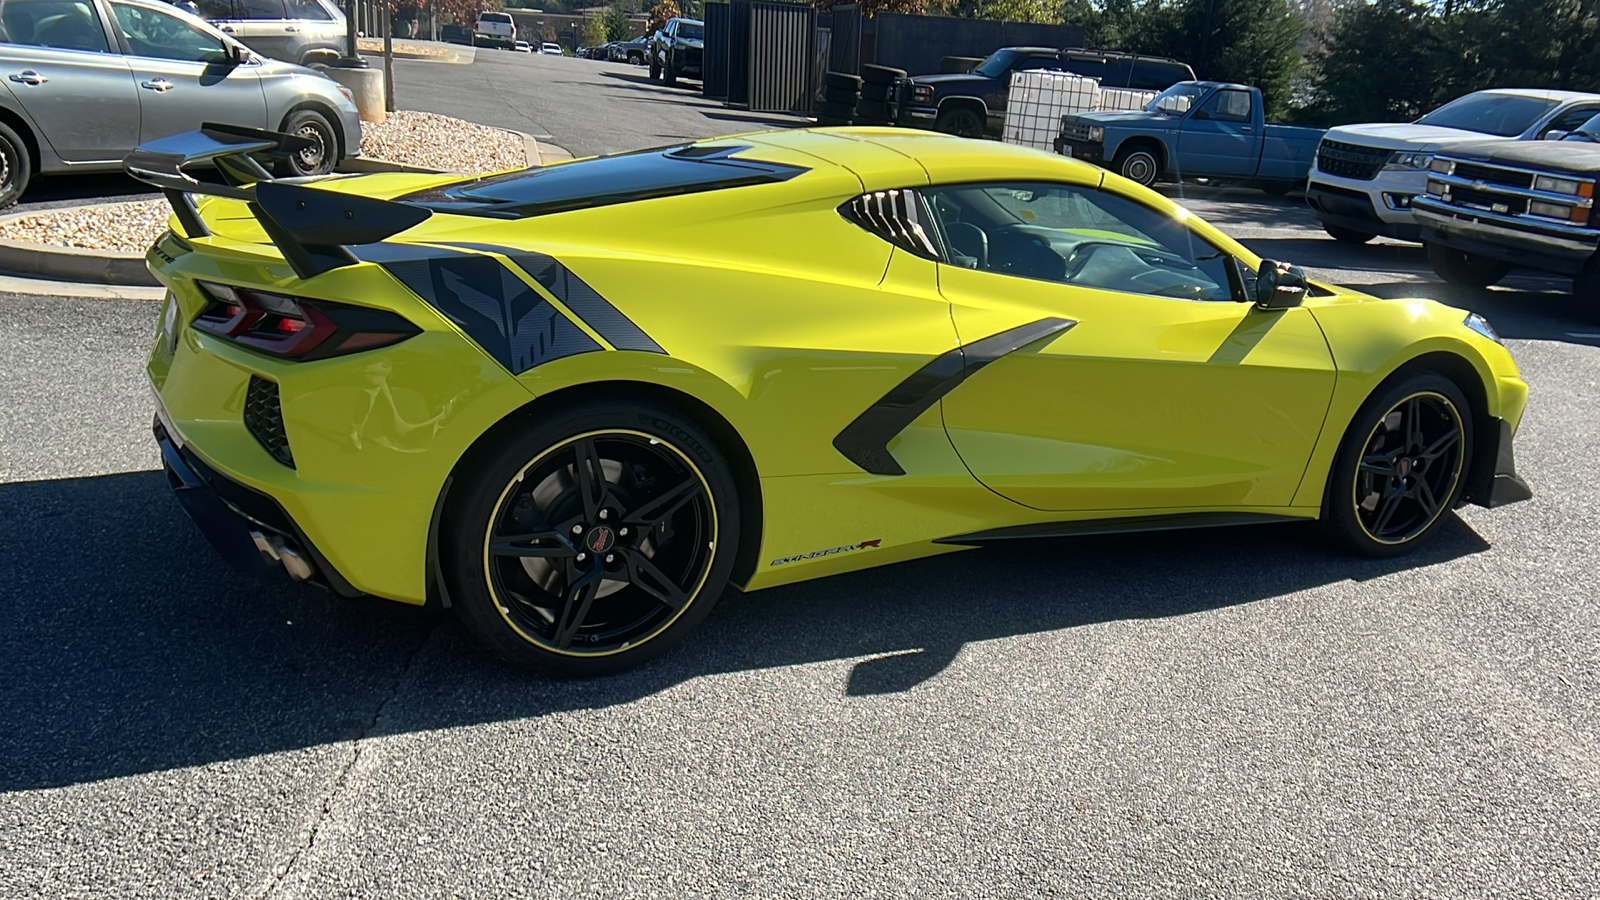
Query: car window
1569	120
217	9
1077	235
1487	112
1155	75
1088	68
60	24
690	31
309	10
1031	63
161	35
261	9
1228	106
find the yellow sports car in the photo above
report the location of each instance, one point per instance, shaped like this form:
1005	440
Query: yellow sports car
575	402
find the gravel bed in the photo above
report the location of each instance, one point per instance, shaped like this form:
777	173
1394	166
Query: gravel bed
412	138
407	48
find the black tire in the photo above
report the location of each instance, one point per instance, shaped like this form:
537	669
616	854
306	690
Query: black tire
1585	290
835	110
1140	164
871	74
842	80
962	121
655	70
636	58
872	109
840	95
878	92
669	75
542	566
16	167
1398	472
320	159
1469	269
1347	235
1278	188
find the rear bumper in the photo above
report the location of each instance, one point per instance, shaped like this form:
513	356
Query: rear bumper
1497	483
247	528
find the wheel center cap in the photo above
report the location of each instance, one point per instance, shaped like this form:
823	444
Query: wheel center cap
600	539
1405	466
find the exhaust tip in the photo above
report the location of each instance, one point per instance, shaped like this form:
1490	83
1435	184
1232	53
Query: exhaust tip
279	550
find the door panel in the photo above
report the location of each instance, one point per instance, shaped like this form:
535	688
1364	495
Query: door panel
1225	143
1146	403
183	79
59	66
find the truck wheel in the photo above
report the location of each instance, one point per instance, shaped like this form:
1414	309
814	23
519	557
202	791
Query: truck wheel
961	121
1585	290
1347	235
655	70
669	75
15	167
1137	164
1460	267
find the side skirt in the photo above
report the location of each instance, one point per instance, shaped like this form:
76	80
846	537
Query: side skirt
1124	525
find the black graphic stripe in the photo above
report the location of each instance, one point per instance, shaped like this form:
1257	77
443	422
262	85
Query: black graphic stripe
586	303
865	441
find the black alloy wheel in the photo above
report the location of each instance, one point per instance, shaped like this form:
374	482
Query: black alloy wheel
16	168
604	547
1401	467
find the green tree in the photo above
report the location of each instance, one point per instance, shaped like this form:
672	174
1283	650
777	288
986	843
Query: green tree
615	22
1252	42
592	33
1366	43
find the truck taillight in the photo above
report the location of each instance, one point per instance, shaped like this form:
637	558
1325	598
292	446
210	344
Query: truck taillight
296	328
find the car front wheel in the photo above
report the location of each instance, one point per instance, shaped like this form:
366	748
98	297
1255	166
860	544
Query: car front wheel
655	70
322	155
594	540
1400	467
1137	165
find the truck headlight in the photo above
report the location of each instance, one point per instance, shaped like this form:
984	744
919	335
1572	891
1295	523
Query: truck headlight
1097	133
1481	325
1442	166
1406	159
1556	185
921	93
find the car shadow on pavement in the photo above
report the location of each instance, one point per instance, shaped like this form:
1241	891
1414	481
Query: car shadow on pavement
1518	310
127	646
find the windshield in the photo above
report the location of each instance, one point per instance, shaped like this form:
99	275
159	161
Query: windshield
691	31
1176	100
1504	115
998	63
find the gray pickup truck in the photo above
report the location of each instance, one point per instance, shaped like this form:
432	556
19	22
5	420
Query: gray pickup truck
1195	129
1491	206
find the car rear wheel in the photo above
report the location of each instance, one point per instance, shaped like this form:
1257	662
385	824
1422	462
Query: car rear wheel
1400	467
1460	267
323	155
1348	235
1137	164
594	540
960	121
16	169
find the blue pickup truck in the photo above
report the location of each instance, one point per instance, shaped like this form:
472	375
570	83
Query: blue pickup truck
1195	129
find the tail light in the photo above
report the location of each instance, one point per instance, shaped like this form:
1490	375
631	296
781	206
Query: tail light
294	327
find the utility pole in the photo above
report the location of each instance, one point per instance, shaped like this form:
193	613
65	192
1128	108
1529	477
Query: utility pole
388	57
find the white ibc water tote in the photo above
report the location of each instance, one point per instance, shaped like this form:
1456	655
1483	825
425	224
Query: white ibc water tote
1038	99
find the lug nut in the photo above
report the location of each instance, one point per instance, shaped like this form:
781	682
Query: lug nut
604	513
622	532
610	558
577	529
582	557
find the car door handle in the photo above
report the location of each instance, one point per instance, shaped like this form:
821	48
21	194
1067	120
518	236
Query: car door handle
226	29
157	84
29	76
290	28
1247	128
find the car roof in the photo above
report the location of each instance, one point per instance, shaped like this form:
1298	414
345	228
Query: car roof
899	157
1540	94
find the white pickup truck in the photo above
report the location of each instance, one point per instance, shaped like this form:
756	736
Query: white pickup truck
1365	176
495	29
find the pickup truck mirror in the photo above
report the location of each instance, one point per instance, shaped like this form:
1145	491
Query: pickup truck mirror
1279	285
1555	135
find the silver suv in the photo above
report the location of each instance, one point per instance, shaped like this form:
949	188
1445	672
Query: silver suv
308	32
83	82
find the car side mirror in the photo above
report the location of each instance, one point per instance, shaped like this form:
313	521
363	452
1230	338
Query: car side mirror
234	54
1279	285
1555	134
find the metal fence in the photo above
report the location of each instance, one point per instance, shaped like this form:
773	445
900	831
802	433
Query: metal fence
844	47
780	60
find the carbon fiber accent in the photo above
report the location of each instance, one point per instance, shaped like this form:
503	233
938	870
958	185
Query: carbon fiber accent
495	308
586	303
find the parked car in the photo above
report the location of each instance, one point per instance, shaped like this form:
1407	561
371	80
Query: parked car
1491	206
973	104
1194	129
1076	355
495	29
676	49
456	34
308	32
86	81
1365	176
632	52
523	47
551	48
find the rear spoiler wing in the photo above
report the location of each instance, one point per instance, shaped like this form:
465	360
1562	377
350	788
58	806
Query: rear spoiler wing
312	228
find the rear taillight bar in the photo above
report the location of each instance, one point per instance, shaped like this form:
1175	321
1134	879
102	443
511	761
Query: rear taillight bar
296	328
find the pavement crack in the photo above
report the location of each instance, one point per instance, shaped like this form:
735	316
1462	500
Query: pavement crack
357	747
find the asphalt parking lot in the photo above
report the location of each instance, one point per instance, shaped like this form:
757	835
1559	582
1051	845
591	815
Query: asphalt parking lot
1238	712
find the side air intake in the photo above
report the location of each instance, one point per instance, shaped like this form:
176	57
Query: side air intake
897	217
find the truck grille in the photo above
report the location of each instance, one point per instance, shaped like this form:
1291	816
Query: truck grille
263	418
1075	131
1494	175
1505	204
1351	160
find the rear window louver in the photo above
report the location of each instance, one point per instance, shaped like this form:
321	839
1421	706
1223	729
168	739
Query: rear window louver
895	216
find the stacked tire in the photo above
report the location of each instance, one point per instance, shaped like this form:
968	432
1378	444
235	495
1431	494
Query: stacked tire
840	92
877	85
